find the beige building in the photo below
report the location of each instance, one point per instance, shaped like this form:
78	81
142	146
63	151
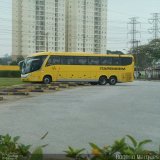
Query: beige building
59	25
38	25
87	26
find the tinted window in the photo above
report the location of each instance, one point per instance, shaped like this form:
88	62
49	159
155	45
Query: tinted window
71	60
93	60
56	60
53	60
68	60
126	60
106	61
35	65
116	61
81	60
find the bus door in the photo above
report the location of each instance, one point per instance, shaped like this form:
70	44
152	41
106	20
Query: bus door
53	67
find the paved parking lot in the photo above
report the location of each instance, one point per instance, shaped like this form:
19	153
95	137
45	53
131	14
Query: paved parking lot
80	115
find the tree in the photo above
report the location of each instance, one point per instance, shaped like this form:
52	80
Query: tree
114	52
20	58
7	60
146	55
155	49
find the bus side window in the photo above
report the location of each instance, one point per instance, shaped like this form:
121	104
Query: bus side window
106	61
63	60
116	61
70	60
93	60
126	60
53	60
67	60
81	60
56	60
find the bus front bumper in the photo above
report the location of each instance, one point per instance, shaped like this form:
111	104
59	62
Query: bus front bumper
30	78
25	77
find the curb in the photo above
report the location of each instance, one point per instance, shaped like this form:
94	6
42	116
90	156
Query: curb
63	86
3	93
37	90
72	84
56	88
9	90
20	93
14	93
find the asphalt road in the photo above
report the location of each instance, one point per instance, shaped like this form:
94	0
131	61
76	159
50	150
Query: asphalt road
77	116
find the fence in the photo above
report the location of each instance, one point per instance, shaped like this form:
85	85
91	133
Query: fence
9	68
9	71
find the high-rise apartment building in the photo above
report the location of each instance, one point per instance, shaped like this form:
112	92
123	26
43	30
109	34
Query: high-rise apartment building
87	25
38	25
59	25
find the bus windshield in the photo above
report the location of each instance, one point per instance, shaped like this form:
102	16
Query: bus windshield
32	64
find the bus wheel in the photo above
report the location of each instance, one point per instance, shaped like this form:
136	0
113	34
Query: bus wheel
47	80
112	80
103	80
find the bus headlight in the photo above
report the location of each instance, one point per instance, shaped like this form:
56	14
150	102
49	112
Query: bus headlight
25	75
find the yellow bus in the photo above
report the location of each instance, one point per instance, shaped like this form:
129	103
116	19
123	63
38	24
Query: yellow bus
99	69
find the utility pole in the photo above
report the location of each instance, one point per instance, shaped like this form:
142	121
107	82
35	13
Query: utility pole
133	32
155	22
47	42
137	57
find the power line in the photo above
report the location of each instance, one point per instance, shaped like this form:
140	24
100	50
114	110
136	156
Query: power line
155	22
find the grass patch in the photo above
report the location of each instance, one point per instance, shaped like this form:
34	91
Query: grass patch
4	82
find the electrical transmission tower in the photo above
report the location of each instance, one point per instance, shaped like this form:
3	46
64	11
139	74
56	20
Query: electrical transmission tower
155	21
134	32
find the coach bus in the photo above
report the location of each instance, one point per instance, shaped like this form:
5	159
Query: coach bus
99	69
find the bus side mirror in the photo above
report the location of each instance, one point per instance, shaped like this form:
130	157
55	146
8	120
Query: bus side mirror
20	64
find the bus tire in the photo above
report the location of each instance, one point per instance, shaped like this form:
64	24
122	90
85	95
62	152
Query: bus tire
47	79
112	80
103	80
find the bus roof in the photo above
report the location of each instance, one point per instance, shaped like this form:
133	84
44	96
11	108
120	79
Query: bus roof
79	54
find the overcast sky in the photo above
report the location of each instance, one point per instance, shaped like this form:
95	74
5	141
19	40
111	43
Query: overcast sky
119	12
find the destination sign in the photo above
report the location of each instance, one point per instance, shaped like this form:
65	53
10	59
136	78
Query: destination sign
113	68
